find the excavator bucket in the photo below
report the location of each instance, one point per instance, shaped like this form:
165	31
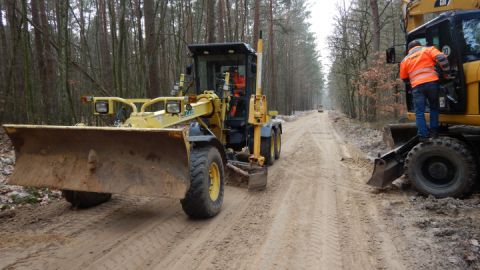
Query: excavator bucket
390	166
149	162
396	135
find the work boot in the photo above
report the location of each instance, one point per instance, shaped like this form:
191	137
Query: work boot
434	134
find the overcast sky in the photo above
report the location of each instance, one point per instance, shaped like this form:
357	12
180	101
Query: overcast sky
323	12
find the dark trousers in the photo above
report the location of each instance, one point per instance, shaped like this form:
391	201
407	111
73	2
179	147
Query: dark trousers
421	94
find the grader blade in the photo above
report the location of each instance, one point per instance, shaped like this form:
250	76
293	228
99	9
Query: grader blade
150	162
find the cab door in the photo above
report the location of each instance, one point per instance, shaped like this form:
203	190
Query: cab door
453	94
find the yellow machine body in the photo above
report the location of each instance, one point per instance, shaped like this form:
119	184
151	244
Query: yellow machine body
147	154
414	11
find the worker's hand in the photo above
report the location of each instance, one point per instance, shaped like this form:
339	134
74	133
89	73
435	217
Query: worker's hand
448	76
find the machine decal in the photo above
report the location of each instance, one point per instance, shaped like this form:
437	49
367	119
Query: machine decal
447	50
442	3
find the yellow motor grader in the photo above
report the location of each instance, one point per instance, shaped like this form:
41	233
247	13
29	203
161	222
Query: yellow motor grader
174	147
447	165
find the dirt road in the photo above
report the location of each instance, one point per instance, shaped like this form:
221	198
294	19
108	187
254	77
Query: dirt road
317	213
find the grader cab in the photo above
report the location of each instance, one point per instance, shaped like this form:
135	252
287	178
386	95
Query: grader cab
175	147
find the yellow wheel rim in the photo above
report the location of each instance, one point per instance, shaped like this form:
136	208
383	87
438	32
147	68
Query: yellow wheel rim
279	142
272	147
214	174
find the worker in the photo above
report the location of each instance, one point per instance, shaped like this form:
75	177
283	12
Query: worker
418	68
238	89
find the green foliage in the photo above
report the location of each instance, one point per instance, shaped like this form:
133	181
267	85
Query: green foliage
30	199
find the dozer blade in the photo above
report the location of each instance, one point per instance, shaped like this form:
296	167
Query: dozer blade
390	166
150	162
256	175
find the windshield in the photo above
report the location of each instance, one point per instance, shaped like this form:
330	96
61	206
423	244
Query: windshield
211	70
471	36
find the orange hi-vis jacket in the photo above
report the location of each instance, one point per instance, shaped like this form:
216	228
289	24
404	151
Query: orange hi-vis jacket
419	65
239	81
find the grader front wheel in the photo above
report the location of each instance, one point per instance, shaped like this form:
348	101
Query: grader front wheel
204	198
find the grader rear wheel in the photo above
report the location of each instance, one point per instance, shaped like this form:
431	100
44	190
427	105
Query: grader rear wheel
204	198
82	199
278	144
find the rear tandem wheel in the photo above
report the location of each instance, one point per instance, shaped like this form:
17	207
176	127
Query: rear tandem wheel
267	147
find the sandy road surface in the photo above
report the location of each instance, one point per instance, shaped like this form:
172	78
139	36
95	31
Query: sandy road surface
316	214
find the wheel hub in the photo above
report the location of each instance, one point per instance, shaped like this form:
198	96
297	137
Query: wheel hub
438	170
214	175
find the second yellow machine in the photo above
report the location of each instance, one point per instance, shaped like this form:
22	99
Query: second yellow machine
175	147
446	166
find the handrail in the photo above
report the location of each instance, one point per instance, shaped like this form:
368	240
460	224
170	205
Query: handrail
159	99
117	99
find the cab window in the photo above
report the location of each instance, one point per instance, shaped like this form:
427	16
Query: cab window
212	69
470	31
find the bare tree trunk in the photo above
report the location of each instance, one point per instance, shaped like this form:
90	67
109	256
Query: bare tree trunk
141	49
105	57
189	19
114	43
229	21
221	17
50	62
376	25
15	86
62	12
210	21
271	53
45	89
256	23
4	58
153	89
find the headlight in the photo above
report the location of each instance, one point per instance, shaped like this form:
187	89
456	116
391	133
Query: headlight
101	107
173	107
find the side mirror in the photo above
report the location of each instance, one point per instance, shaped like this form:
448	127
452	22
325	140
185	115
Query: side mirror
391	55
188	70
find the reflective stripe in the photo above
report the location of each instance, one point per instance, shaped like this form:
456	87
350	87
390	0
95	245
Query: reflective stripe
414	80
441	57
422	70
415	50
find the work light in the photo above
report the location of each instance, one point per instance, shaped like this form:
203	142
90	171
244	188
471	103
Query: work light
101	107
173	107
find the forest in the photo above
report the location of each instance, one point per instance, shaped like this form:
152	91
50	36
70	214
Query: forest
361	84
54	51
